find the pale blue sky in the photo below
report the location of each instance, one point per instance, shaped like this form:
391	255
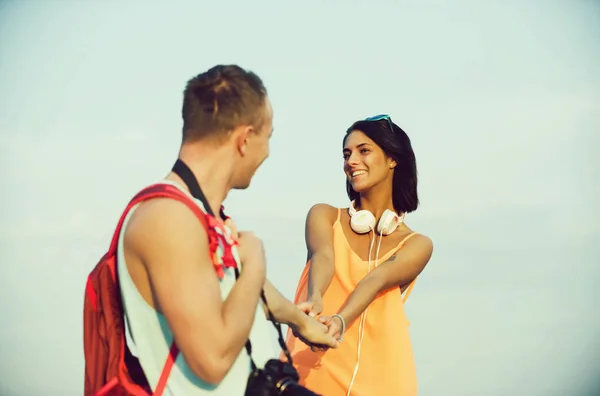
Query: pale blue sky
500	99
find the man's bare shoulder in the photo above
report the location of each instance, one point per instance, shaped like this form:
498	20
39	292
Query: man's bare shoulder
162	221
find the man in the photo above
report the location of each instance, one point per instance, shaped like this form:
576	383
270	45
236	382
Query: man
168	281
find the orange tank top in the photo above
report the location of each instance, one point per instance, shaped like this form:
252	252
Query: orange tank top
375	357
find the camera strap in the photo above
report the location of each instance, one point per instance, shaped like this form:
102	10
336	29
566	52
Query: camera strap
186	174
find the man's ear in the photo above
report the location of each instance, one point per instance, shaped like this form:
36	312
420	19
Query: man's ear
243	136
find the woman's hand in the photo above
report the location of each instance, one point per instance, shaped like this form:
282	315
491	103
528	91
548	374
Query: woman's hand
312	307
334	325
314	333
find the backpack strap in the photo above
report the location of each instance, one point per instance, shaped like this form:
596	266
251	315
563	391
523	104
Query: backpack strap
159	190
166	371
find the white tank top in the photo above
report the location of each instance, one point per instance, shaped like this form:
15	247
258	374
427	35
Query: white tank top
149	336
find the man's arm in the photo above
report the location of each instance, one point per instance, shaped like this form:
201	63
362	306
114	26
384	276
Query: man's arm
172	244
283	310
307	328
319	244
406	265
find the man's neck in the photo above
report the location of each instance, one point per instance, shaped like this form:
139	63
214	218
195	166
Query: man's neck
213	169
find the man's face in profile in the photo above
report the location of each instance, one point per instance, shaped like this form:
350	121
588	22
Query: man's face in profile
257	150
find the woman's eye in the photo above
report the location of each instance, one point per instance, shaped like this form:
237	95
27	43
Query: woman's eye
364	151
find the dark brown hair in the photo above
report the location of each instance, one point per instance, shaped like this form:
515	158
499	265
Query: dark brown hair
221	99
396	145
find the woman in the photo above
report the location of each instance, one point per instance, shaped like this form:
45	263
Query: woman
360	261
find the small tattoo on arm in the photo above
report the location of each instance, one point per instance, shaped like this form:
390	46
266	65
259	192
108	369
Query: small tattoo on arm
391	258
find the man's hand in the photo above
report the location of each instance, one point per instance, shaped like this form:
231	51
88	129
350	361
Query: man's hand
314	333
312	307
252	253
233	228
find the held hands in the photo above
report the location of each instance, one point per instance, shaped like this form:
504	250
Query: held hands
314	333
312	307
334	324
321	333
310	330
331	325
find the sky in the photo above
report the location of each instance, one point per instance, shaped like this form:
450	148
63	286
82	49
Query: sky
501	100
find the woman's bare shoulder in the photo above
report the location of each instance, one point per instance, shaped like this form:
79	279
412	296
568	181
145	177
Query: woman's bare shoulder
323	211
417	239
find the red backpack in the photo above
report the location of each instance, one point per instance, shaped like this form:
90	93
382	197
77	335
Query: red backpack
110	368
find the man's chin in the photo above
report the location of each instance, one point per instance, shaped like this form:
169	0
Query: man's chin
241	186
243	182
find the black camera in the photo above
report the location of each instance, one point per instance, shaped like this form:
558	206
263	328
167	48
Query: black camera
276	379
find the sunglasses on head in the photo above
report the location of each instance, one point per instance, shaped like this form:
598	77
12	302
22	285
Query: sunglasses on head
380	117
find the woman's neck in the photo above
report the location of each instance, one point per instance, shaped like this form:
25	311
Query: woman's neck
377	201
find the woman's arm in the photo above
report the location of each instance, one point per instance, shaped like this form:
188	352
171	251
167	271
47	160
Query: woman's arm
319	244
399	270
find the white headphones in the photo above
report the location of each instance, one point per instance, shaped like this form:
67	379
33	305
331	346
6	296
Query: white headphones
363	221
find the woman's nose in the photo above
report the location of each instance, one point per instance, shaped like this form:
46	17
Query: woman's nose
353	159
